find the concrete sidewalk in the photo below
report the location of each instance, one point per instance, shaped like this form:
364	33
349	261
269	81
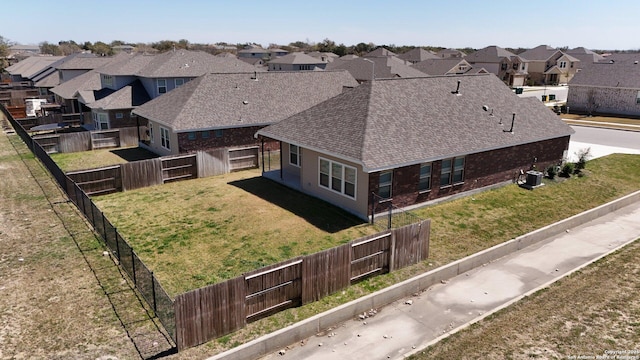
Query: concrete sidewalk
410	324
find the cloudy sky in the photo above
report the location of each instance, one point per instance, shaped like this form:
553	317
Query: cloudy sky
595	24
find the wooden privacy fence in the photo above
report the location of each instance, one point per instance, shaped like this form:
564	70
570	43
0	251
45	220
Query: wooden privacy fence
88	140
217	310
144	173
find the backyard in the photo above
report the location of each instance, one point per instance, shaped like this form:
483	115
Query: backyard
99	158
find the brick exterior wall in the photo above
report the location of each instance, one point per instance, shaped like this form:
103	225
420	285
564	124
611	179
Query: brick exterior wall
480	170
234	137
609	100
126	121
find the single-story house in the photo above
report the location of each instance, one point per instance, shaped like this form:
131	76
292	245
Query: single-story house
408	141
225	110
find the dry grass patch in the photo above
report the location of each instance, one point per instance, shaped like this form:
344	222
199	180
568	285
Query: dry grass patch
203	231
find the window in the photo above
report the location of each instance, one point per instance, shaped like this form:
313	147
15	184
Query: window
102	122
107	80
165	138
452	171
191	135
179	82
384	184
425	177
515	66
205	134
503	66
638	98
119	115
338	177
162	86
563	64
219	133
294	155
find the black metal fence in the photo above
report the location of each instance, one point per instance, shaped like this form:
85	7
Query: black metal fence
384	215
143	278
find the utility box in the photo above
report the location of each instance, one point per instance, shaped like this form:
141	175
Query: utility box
534	178
519	90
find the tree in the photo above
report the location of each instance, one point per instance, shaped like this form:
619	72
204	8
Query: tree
100	48
591	105
68	47
4	46
49	49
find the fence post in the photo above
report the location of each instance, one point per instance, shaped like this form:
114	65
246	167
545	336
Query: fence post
392	252
133	267
153	291
93	220
104	229
115	233
389	216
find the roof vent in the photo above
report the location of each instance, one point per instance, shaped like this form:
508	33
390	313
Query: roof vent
255	76
245	102
513	119
636	62
457	90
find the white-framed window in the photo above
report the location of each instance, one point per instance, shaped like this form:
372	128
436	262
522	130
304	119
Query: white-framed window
162	86
338	177
294	155
107	80
452	171
165	138
385	183
425	177
101	121
563	64
179	82
119	115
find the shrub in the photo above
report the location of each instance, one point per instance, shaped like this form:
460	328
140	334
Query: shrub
551	172
583	157
567	170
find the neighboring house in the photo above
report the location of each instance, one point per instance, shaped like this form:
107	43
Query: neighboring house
550	66
17	50
69	92
323	56
32	69
113	110
611	87
509	67
408	141
440	66
68	68
586	56
297	61
225	110
257	62
382	67
254	51
417	55
123	48
380	52
450	53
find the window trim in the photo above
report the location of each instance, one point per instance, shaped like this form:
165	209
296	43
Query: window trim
562	65
386	183
165	138
101	118
422	177
343	178
158	86
175	82
452	170
297	154
119	115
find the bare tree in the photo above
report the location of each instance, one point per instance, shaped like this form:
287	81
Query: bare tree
591	105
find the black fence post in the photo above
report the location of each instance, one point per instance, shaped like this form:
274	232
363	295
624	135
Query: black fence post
104	229
115	233
153	291
389	216
133	267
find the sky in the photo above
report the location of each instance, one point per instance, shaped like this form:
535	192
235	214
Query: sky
594	24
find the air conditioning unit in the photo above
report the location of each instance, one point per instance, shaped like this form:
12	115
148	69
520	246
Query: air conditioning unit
534	178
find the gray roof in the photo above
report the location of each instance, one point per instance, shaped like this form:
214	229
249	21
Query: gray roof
83	62
539	53
49	81
442	66
32	66
124	64
622	73
238	100
185	63
417	54
446	53
381	51
88	81
128	97
585	56
490	54
389	123
297	58
362	69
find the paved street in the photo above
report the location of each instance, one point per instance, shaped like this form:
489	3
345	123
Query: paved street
603	142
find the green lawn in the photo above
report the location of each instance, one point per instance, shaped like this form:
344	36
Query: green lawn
99	158
203	231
